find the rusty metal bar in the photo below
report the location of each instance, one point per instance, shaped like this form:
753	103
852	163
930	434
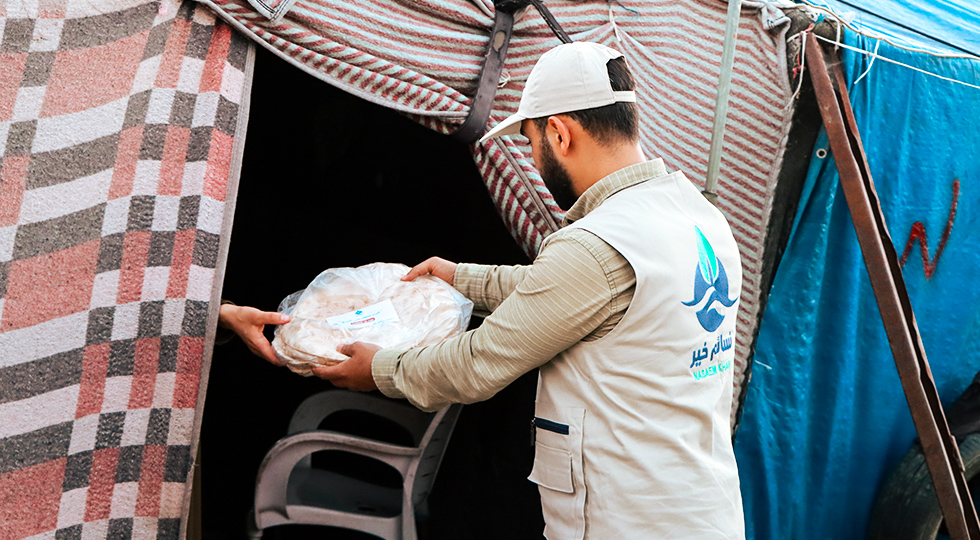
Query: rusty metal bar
938	446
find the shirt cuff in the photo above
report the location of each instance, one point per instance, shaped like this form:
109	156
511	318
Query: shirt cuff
469	280
383	369
224	335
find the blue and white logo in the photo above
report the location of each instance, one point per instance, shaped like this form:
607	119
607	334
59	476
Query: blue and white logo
709	276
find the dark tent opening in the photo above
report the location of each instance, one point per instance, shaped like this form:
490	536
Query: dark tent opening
329	180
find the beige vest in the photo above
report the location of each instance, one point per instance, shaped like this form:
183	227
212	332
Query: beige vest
632	430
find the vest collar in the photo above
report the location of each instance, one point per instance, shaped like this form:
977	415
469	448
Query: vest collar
612	184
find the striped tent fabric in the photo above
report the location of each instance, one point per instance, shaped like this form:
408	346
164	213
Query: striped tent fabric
424	57
119	127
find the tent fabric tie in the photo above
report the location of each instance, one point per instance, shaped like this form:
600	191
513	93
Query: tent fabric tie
493	64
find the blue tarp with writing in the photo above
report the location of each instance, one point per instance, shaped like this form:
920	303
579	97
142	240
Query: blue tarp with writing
825	416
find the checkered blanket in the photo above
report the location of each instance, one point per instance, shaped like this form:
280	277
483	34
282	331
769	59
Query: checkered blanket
118	124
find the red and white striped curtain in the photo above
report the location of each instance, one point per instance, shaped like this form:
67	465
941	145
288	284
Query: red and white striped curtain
423	57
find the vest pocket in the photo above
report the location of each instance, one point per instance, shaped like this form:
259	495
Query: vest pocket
552	469
558	470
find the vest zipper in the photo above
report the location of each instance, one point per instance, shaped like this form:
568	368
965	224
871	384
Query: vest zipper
549	425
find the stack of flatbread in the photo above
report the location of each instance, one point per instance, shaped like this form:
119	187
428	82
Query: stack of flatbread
370	304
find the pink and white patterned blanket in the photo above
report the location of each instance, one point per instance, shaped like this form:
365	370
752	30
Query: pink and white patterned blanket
119	125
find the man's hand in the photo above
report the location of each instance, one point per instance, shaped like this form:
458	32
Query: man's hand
353	373
248	323
440	268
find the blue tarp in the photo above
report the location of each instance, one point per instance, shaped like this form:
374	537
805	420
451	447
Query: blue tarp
825	416
949	26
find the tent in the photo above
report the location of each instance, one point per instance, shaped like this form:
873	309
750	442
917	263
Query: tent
123	133
378	52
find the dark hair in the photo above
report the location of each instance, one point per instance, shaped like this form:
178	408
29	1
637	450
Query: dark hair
611	123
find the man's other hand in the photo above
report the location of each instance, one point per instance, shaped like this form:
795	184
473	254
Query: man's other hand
440	268
353	373
249	323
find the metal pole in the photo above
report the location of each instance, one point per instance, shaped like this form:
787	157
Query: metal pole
721	103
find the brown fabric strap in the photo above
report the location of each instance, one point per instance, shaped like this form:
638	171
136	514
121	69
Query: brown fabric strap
475	123
552	23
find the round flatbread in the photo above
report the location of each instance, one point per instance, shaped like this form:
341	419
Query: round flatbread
369	304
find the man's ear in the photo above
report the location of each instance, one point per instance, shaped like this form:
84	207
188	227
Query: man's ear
561	132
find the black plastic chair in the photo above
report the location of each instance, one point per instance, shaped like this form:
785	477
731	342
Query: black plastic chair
289	490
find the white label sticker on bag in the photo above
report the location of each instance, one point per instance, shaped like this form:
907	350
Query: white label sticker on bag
382	312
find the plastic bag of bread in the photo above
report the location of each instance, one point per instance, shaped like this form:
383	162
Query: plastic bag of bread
371	304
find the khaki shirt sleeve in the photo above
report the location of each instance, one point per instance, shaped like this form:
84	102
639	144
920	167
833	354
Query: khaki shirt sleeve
487	286
559	300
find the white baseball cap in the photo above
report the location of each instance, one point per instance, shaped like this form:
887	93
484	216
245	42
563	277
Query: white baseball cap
570	77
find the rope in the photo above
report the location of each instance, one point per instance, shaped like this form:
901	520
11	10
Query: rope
909	28
874	35
871	63
798	70
837	43
612	20
875	55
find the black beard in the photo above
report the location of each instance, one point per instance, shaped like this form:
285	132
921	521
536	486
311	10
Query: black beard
555	177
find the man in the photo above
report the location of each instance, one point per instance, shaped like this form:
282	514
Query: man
629	311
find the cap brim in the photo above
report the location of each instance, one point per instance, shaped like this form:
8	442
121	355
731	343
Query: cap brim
510	126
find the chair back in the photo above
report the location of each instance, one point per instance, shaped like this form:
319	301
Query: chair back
316	408
433	447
